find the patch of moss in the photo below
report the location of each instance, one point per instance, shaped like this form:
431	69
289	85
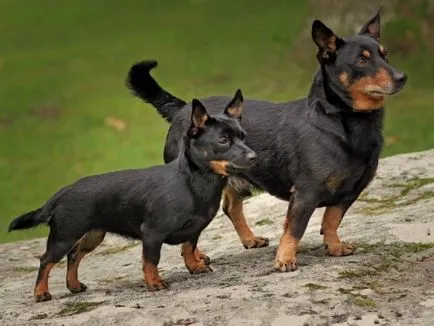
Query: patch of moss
39	316
418	246
216	237
389	255
356	273
314	286
264	221
384	205
27	269
113	279
367	246
74	308
398	249
357	298
115	250
366	302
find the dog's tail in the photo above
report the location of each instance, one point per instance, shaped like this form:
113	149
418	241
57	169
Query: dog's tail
144	86
28	220
38	216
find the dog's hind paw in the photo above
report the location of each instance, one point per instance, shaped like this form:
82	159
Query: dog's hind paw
256	242
199	269
339	249
206	259
76	289
157	285
41	297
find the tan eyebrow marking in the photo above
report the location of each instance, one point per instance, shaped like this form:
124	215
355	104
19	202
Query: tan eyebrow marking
366	53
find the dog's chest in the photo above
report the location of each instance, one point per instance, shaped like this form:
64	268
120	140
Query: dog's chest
195	222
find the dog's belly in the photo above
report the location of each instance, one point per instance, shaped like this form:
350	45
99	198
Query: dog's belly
332	191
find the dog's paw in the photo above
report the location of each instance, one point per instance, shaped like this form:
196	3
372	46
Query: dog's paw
339	249
199	267
76	289
157	285
285	260
201	256
205	259
256	242
285	265
41	297
200	270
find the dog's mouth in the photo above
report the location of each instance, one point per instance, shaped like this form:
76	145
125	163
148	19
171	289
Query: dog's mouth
379	92
233	168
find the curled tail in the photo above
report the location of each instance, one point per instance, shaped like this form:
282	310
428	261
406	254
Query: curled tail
144	86
28	220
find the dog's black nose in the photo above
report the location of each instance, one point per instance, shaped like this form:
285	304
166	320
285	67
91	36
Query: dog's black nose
400	77
251	157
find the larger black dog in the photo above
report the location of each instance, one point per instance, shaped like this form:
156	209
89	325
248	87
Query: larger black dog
170	204
317	151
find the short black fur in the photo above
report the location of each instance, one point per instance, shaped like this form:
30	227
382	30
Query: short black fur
322	150
170	203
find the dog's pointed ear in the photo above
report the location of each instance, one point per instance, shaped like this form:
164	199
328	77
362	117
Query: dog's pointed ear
235	107
199	116
373	27
325	38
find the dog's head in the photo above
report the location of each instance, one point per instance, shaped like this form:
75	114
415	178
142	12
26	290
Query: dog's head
218	141
357	67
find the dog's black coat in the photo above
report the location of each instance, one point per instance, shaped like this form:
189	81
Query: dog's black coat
170	203
321	144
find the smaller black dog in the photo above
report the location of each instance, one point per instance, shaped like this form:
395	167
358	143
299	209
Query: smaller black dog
170	203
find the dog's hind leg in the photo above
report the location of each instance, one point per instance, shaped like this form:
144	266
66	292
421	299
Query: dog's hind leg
300	210
85	245
194	263
329	228
57	248
233	208
197	253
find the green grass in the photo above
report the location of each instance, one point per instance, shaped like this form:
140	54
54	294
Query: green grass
63	67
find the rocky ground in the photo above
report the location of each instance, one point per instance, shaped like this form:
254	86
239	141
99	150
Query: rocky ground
388	281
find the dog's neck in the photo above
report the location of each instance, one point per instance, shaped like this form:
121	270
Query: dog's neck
322	93
362	130
202	181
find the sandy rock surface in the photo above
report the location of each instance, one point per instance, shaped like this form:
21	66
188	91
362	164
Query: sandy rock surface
388	281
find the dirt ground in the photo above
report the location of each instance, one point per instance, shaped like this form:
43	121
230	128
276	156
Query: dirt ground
388	281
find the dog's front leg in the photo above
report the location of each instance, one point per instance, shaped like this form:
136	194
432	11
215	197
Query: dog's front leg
233	208
151	257
300	209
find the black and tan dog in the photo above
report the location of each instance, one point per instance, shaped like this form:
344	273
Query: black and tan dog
318	151
169	204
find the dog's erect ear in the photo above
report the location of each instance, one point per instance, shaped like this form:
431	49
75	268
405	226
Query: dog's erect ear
235	108
372	27
325	38
199	116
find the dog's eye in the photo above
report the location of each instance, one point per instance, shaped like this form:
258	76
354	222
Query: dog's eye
224	139
361	61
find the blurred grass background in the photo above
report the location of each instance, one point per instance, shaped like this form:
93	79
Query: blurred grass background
65	112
